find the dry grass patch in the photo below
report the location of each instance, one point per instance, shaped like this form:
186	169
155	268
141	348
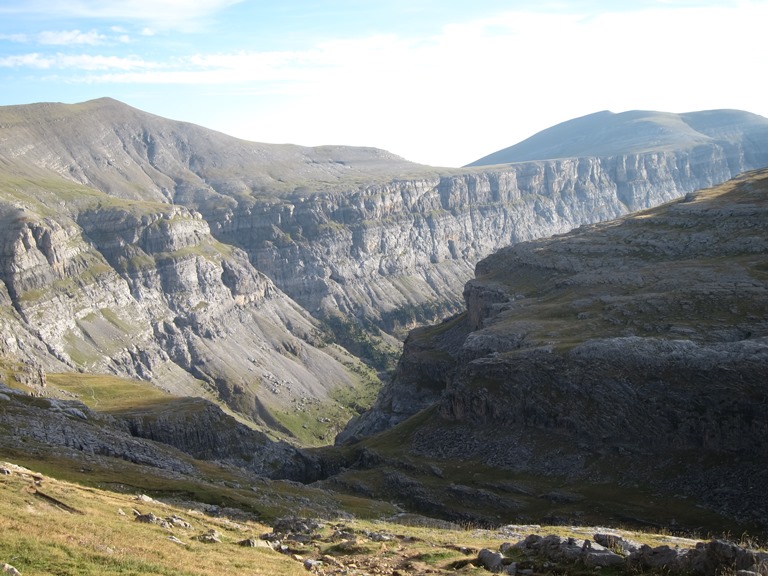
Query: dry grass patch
37	536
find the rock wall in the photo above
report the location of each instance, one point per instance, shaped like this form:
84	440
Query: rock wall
630	352
379	250
150	294
151	248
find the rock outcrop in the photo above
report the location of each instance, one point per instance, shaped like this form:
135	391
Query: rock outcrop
147	292
165	438
703	559
631	352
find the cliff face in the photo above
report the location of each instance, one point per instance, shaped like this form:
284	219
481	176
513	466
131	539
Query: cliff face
385	250
150	294
361	230
631	352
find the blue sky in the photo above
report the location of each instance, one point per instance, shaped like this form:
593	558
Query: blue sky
441	82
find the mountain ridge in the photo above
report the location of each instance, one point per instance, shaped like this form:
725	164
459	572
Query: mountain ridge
607	133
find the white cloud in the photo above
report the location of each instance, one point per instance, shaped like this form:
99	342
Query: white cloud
70	37
14	37
33	60
80	63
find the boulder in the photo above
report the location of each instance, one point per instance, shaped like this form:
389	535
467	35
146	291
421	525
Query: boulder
660	557
718	556
491	561
616	543
209	537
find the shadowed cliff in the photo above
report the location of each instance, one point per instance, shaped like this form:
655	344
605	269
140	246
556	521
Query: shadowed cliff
629	355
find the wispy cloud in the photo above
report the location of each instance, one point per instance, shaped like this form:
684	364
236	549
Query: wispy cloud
163	14
82	63
508	51
71	37
32	60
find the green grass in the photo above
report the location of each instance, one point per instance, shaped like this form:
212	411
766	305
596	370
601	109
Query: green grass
108	393
43	193
37	537
113	318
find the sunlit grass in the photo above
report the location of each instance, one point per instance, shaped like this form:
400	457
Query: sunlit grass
38	537
108	393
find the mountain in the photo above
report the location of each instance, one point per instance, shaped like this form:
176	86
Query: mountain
636	132
617	368
143	247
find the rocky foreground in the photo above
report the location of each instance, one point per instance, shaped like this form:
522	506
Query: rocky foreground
203	539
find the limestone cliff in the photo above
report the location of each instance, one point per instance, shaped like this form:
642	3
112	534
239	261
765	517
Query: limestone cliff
360	230
389	250
147	292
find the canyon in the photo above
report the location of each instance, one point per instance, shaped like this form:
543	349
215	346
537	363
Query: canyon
143	247
584	325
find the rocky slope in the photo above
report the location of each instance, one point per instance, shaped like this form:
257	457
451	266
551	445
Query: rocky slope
140	246
169	437
626	354
144	290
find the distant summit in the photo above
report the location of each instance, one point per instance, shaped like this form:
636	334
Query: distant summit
638	131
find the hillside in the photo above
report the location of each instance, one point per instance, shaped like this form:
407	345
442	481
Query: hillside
635	132
52	526
272	279
617	370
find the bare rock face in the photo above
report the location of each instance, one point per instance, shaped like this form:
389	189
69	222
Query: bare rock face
390	249
152	295
630	351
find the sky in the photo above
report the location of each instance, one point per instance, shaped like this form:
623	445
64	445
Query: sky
439	82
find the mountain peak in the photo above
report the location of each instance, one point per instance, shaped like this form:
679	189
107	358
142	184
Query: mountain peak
607	133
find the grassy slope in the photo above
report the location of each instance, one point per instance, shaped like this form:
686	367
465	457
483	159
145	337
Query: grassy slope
51	526
38	537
